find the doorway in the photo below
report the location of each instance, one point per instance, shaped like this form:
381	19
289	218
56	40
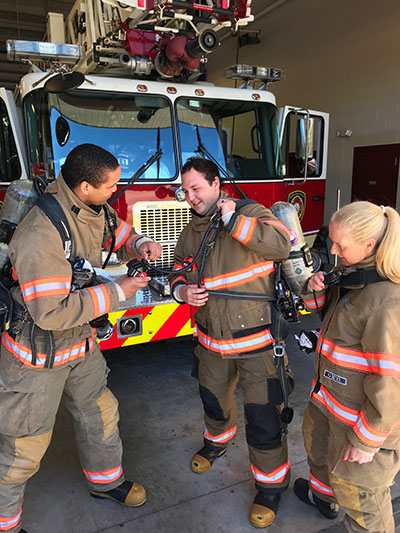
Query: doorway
376	173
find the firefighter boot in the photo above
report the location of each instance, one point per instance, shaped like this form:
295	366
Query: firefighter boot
128	493
204	458
264	509
303	492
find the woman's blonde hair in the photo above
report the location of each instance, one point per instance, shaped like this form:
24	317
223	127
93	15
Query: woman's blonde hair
364	221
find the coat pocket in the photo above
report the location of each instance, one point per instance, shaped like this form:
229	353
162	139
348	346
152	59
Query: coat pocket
21	399
379	473
249	316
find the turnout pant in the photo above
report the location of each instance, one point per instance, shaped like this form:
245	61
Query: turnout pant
258	377
362	490
29	401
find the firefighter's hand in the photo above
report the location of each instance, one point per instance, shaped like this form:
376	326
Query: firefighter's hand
193	295
130	286
150	250
354	455
226	206
316	282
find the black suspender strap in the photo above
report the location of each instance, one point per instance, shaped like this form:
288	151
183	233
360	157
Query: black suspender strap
362	276
110	224
52	208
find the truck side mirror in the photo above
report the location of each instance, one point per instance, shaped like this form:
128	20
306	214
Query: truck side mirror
305	144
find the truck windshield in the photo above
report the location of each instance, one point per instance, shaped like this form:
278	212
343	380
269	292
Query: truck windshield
131	127
241	136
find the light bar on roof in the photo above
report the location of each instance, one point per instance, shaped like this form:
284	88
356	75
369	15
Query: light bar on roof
65	53
250	72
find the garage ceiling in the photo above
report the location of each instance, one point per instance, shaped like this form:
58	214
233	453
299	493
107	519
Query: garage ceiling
23	19
26	19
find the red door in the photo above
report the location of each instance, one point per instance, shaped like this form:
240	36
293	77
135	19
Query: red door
375	174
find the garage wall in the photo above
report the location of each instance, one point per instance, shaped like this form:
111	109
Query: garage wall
340	56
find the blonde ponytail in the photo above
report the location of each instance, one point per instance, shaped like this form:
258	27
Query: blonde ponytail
382	223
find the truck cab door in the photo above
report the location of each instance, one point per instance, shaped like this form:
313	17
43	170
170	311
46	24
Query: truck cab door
303	135
13	160
304	152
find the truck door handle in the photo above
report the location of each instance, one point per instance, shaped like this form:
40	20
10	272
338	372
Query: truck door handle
317	198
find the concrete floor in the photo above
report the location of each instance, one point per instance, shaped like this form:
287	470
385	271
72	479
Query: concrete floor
161	427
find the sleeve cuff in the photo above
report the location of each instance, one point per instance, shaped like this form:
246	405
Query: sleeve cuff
121	294
369	450
226	217
140	241
175	293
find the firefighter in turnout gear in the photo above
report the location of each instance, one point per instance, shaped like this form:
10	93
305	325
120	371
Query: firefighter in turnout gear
234	340
351	426
50	350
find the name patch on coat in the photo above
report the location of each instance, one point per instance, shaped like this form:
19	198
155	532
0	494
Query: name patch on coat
335	377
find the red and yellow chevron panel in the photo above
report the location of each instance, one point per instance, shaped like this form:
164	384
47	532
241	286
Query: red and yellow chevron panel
159	322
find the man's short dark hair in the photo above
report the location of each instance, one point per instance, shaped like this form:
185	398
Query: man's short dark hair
204	166
88	162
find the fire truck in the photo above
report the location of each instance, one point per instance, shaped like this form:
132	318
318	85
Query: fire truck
130	77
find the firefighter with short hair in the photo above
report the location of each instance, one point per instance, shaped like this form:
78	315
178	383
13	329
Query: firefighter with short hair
351	426
234	337
50	349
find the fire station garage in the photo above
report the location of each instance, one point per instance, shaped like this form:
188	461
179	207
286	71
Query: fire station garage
333	68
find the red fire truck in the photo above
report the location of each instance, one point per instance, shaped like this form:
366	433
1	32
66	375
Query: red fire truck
127	77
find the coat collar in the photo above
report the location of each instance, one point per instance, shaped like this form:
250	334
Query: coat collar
67	197
202	221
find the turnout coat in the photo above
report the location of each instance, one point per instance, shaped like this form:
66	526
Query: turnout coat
357	363
44	278
242	259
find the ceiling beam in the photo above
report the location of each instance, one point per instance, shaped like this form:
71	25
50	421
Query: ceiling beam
28	9
20	25
26	35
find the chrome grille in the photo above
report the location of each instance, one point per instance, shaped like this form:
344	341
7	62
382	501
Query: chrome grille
162	222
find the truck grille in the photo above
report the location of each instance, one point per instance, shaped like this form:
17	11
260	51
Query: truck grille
163	222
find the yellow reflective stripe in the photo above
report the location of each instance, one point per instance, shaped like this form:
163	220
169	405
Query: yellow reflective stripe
186	330
152	323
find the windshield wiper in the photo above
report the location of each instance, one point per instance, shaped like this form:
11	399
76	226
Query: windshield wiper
206	154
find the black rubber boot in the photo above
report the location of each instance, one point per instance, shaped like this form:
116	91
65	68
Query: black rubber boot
303	492
204	458
264	509
128	493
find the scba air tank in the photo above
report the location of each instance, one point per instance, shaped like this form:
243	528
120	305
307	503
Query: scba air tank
20	197
298	268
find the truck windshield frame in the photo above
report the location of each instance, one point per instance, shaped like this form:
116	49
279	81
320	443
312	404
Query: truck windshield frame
130	126
242	136
10	167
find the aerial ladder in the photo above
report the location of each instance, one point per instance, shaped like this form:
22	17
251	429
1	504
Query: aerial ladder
150	38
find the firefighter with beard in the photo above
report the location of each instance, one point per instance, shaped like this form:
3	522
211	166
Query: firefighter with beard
234	338
351	425
50	350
